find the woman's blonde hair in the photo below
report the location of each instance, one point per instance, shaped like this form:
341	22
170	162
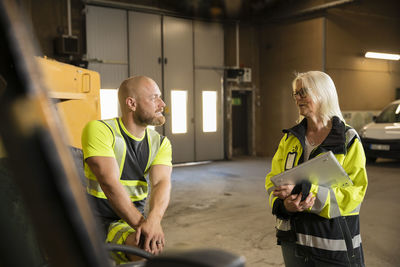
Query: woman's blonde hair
322	90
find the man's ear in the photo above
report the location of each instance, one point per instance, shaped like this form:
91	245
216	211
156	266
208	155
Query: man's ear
131	103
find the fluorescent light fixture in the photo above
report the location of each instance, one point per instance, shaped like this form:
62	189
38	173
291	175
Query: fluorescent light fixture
382	56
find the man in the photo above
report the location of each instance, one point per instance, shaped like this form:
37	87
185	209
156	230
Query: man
118	154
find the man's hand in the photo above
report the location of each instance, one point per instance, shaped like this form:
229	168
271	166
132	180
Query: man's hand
150	228
293	203
283	191
152	234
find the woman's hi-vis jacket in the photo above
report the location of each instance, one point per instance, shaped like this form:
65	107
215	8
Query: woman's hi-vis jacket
330	228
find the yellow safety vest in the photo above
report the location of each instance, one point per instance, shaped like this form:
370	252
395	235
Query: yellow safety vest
137	189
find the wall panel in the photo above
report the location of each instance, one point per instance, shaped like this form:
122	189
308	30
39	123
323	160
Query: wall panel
107	45
349	36
285	49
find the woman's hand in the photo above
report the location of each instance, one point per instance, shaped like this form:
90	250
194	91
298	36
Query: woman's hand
293	203
283	191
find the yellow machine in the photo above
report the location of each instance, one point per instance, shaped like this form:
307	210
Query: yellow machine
77	92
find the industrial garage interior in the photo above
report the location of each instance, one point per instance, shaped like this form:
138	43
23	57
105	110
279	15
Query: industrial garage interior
225	70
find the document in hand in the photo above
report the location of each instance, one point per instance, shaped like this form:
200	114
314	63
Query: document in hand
322	170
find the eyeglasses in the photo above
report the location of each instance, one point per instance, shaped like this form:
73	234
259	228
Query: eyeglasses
302	92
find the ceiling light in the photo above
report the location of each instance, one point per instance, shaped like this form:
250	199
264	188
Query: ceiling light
382	55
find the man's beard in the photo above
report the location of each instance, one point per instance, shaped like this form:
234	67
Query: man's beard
157	121
145	119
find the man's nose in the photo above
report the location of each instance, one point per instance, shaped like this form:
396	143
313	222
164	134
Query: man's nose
162	103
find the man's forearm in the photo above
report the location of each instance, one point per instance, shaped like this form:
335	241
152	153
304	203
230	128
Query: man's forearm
122	204
159	200
106	171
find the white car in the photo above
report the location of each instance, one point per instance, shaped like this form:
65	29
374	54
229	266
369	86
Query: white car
381	138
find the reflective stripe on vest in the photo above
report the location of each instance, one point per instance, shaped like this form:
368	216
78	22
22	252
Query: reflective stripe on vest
154	141
325	243
136	189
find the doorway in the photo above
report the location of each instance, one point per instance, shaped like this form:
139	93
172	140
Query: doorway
240	122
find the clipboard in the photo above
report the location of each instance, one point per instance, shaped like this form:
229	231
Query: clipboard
323	170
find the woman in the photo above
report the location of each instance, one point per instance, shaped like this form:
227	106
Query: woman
318	225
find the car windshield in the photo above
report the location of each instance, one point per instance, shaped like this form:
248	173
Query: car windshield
390	114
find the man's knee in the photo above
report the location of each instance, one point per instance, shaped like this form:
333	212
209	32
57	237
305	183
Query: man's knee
131	241
120	233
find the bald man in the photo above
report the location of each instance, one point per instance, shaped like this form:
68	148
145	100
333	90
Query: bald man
118	155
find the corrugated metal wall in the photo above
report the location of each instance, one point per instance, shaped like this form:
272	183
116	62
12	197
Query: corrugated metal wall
107	44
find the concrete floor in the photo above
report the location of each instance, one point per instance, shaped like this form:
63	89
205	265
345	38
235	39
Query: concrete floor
224	205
